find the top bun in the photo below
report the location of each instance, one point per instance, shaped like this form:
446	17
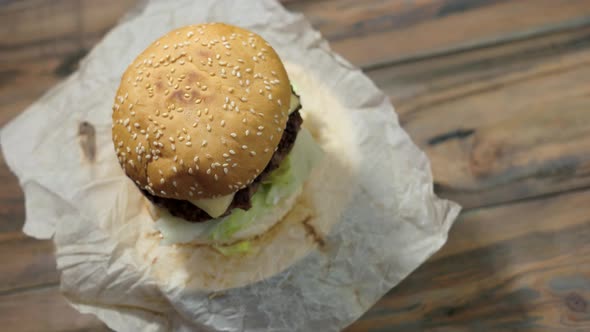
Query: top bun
200	112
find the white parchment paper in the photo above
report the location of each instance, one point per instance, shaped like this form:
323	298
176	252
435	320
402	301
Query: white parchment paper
392	223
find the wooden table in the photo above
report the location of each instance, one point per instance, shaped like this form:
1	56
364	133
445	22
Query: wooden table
496	92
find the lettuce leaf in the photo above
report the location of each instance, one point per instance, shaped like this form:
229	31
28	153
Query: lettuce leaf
279	185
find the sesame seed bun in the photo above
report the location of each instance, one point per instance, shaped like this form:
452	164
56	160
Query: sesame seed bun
200	112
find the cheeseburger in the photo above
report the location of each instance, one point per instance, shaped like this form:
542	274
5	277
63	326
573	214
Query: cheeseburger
208	127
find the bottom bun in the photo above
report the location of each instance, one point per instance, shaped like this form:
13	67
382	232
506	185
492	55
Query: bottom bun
205	267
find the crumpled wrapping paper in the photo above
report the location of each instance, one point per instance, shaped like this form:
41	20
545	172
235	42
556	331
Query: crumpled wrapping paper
391	223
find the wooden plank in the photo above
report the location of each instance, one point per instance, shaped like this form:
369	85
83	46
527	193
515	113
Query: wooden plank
12	209
367	33
379	32
499	272
26	263
44	310
38	29
503	123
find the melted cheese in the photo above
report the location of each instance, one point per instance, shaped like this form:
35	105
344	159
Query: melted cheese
214	207
294	103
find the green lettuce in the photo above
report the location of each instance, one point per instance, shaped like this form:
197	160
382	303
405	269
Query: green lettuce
279	185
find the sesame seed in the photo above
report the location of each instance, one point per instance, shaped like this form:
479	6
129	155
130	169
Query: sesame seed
204	143
162	181
222	123
173	147
252	153
208	171
225	170
136	125
188	144
234	135
190	170
232	152
234	165
171	139
259	133
208	127
247	132
174	169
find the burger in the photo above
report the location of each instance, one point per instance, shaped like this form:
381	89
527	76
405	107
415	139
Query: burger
207	125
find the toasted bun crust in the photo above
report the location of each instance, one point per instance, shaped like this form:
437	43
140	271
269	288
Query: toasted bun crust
200	112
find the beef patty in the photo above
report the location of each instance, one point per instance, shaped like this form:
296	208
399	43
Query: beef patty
243	198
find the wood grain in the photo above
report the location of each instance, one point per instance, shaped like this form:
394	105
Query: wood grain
500	124
26	263
367	33
377	32
39	29
44	310
498	274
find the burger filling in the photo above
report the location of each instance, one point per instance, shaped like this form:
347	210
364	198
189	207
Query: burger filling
207	209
